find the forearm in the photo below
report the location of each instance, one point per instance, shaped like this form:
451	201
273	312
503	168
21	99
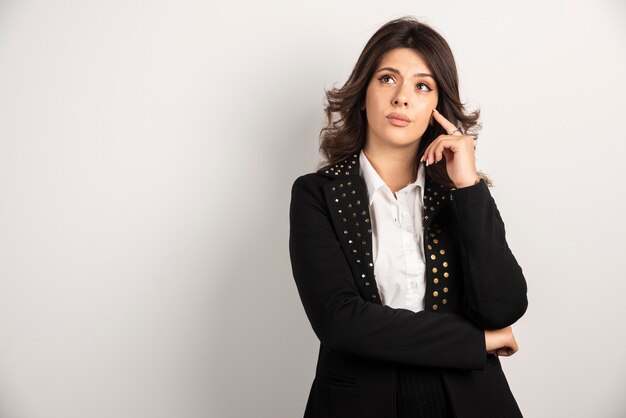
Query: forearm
495	287
345	322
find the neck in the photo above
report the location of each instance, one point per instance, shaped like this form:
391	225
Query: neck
396	166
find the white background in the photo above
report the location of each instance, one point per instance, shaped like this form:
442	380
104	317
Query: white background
147	150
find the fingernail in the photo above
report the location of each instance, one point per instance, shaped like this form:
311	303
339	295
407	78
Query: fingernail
436	110
426	163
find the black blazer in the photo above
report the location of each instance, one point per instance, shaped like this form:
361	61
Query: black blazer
473	282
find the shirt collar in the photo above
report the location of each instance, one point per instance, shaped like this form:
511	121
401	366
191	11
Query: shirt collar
374	182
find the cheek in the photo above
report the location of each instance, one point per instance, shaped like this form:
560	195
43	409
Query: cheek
375	99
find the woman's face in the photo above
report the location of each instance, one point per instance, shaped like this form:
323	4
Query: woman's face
394	87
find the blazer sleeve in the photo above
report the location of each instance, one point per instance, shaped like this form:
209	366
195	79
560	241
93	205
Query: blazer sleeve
345	322
495	287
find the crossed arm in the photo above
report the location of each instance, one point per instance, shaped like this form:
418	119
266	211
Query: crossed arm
345	322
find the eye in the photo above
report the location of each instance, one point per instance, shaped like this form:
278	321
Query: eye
385	77
427	86
388	77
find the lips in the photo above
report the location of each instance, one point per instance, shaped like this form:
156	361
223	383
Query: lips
399	116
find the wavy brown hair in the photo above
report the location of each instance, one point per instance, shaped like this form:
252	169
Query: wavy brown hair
346	124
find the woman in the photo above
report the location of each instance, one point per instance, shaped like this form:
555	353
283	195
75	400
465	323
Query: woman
398	249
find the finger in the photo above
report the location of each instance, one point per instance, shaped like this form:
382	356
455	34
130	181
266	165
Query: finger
428	153
505	351
432	149
512	349
446	124
435	149
438	150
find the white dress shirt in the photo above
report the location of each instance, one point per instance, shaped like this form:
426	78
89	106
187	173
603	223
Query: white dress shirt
397	233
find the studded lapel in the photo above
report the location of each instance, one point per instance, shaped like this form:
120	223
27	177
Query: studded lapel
348	204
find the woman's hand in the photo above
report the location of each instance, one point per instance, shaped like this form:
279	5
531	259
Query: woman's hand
459	152
501	342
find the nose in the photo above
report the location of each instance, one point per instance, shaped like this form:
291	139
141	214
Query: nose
400	101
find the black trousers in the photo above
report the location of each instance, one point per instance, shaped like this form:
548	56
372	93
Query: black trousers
420	393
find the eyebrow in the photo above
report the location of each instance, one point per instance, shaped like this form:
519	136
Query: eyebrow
393	70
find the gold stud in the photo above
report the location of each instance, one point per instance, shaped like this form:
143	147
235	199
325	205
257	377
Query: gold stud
434	307
445	264
435	293
434	269
445	290
432	257
435	280
436	241
445	274
444	301
442	252
429	247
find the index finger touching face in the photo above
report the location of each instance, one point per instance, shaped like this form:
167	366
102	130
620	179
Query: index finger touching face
448	126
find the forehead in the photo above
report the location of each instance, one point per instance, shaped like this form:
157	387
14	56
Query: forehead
404	58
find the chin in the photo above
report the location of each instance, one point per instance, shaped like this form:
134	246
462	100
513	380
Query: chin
402	140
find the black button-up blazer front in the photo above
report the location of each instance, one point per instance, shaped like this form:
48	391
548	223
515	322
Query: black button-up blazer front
473	283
